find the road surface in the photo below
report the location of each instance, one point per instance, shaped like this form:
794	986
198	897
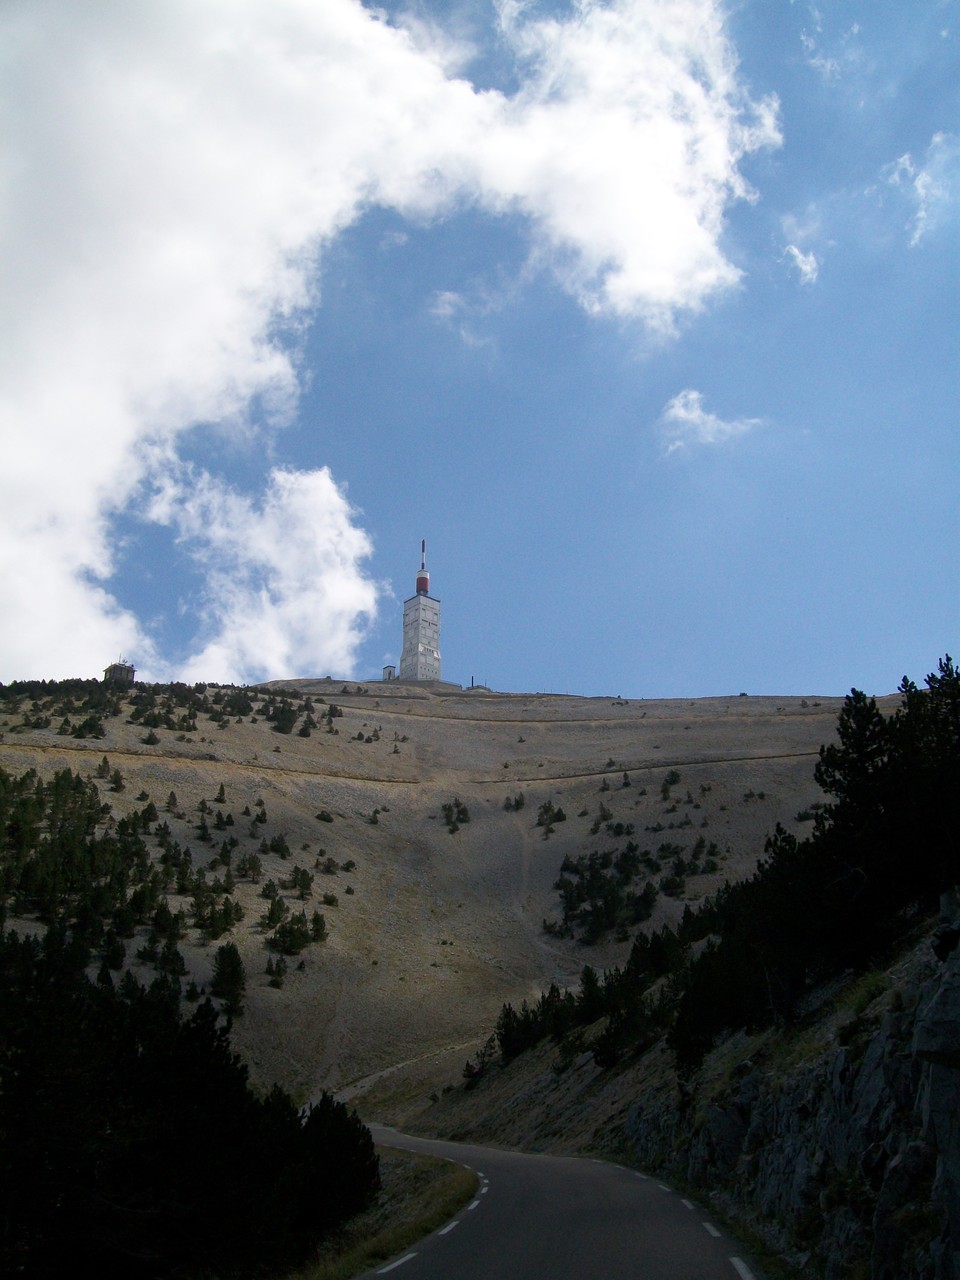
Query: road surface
562	1218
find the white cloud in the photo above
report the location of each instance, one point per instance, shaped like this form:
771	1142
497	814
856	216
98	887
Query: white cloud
806	264
447	304
798	232
170	176
57	622
685	422
465	313
800	229
846	56
623	146
452	309
828	67
285	586
932	185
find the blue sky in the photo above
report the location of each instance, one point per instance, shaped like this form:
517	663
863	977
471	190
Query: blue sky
643	313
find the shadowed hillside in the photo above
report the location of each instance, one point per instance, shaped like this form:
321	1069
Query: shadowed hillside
791	1048
424	825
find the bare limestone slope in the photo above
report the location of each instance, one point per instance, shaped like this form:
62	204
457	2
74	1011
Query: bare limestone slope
834	1142
441	926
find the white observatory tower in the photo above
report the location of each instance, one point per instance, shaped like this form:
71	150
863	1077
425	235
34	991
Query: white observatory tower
420	659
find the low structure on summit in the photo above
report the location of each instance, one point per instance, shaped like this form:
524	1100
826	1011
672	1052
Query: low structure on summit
121	673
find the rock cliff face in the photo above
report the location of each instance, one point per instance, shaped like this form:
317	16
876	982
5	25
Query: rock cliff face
851	1156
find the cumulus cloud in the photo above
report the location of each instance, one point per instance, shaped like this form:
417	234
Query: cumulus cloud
684	422
170	176
623	146
932	185
285	589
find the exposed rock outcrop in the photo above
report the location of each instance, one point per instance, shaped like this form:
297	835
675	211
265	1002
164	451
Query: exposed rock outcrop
851	1156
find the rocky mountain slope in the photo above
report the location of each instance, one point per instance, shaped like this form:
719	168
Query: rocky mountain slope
835	1142
432	923
430	825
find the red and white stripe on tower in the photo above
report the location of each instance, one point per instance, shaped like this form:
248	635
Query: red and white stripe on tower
423	577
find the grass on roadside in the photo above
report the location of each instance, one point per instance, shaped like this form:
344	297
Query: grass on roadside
420	1193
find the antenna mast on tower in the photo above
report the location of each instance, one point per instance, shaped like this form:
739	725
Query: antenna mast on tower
423	577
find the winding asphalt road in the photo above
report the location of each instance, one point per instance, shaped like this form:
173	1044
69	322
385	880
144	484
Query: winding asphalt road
560	1218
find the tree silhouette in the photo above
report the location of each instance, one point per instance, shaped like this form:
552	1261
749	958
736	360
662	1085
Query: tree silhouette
229	979
133	1145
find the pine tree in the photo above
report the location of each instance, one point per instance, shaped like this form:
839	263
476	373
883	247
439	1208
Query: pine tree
229	978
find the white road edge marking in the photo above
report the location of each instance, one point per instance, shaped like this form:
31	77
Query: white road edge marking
741	1268
663	1186
484	1190
393	1265
712	1229
687	1204
473	1206
449	1227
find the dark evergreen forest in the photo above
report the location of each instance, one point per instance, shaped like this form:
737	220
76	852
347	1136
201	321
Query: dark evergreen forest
131	1142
